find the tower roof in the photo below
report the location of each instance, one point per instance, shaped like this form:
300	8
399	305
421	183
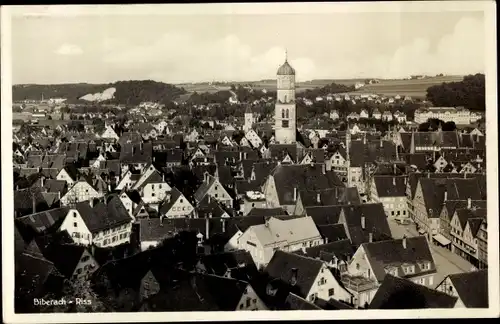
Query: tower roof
248	110
286	69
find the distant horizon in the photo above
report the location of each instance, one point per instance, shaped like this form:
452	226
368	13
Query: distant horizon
232	81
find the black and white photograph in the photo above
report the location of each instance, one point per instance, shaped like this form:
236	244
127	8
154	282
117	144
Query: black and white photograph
267	158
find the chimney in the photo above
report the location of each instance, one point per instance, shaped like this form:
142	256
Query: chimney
91	202
370	237
393	181
363	223
445	195
293	279
295	194
323	168
326	240
318	198
428	175
42	181
223	220
161	220
404	241
381	143
209	199
207	228
469	203
33	200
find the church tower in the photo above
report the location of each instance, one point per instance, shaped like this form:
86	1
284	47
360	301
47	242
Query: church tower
285	116
248	119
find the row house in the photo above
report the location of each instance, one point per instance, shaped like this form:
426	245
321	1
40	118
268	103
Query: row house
391	192
470	288
465	225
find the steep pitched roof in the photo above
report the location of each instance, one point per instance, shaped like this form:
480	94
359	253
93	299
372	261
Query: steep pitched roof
167	205
267	212
104	216
333	232
290	177
294	302
393	253
399	293
472	288
341	249
290	230
240	263
324	215
375	223
307	269
64	256
390	186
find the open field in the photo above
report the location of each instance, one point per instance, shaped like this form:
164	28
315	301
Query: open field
413	88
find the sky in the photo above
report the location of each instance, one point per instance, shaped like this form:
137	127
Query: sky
235	47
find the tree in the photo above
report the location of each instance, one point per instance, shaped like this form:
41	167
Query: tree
79	297
469	93
449	126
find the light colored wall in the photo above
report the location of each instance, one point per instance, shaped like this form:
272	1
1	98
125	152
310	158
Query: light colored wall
181	208
322	291
255	303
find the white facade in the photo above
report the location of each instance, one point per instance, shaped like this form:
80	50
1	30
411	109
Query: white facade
446	114
81	191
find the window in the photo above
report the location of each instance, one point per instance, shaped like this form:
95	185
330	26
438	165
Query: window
79	270
85	258
330	292
105	242
254	301
241	306
248	302
114	239
215	187
284	123
74	214
216	195
181	200
283	113
357	266
153	194
75	224
159	186
287	115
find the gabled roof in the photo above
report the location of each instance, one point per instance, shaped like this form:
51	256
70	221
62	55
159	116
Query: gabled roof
240	263
104	216
267	212
281	265
172	199
399	293
472	288
341	249
199	292
333	232
465	214
324	215
393	253
390	186
294	302
375	223
290	230
290	177
328	197
46	220
64	256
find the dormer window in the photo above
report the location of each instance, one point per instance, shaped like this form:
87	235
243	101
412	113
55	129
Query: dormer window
409	269
425	265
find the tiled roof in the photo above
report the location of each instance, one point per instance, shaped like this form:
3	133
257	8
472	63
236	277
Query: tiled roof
294	302
290	177
104	216
394	254
307	269
472	288
375	223
290	230
267	212
341	249
399	293
390	186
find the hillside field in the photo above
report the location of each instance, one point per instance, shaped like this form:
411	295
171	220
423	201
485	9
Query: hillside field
413	88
